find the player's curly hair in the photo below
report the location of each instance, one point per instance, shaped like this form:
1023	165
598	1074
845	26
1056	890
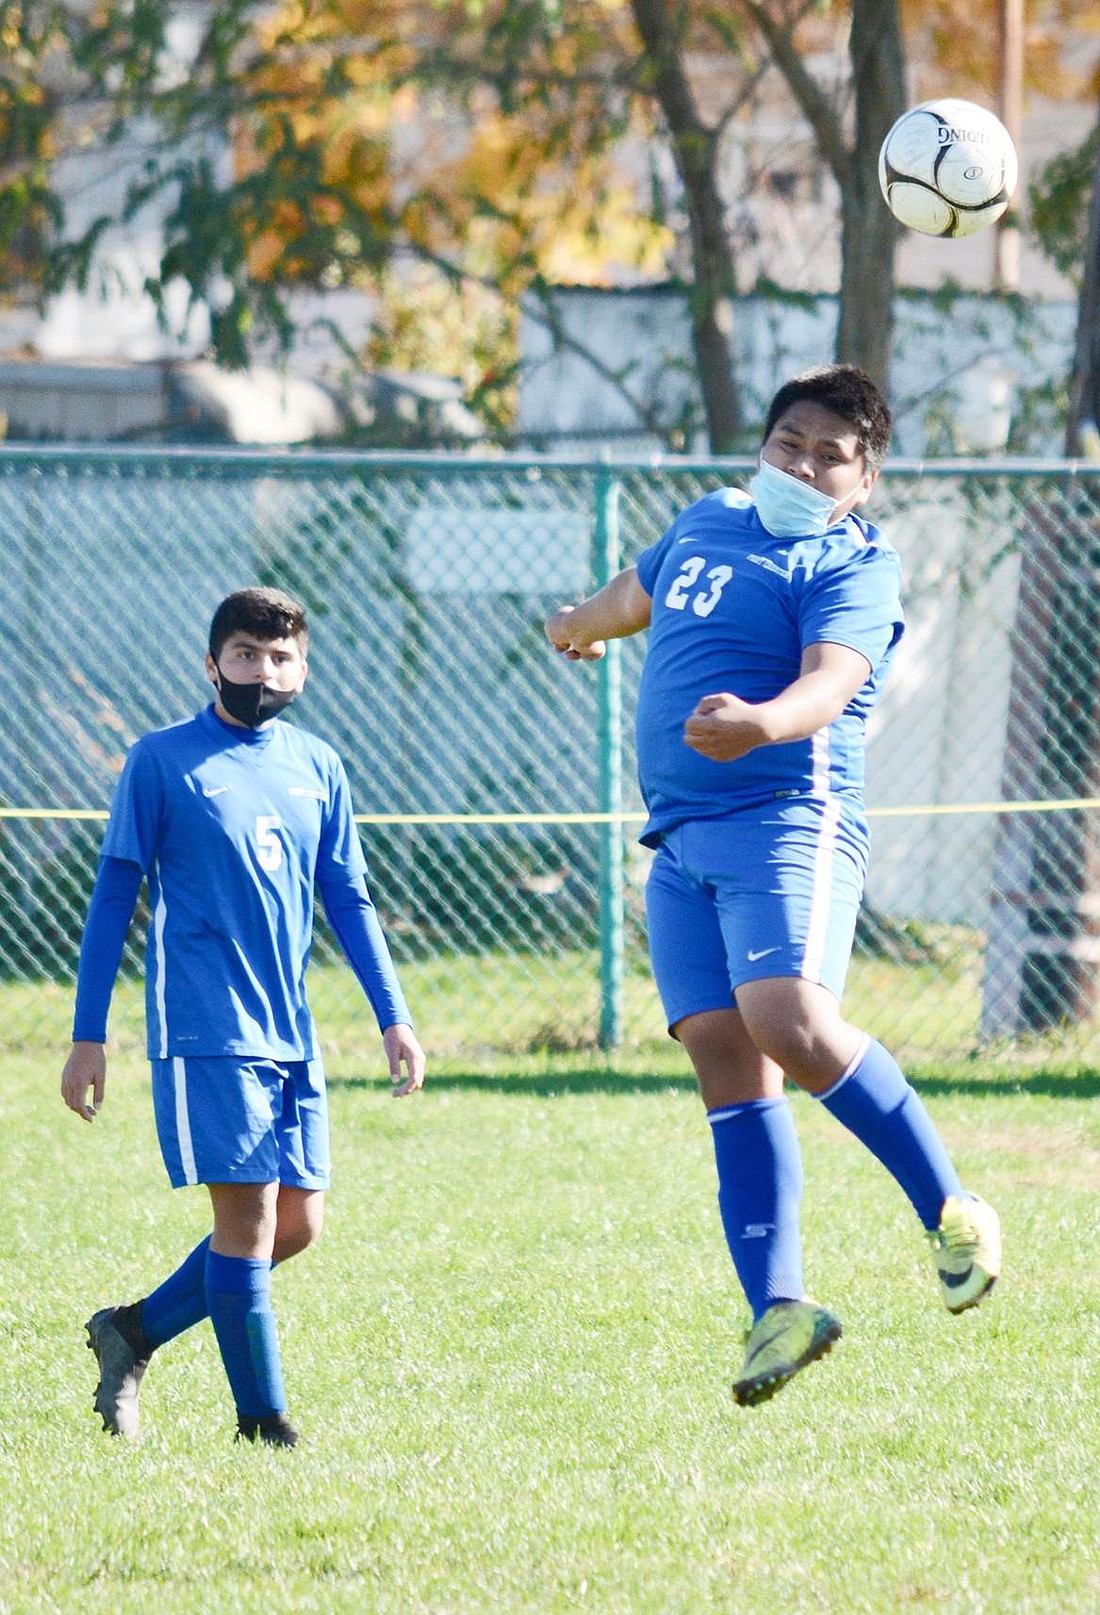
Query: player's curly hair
846	391
265	613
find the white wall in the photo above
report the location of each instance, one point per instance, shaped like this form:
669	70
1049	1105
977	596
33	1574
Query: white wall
643	336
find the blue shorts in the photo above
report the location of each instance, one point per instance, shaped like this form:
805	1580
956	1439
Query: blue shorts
242	1121
767	891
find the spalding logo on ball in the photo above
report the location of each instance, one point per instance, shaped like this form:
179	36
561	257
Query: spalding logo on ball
947	168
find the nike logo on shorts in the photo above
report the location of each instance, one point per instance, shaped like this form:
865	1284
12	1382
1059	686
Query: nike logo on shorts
760	953
215	790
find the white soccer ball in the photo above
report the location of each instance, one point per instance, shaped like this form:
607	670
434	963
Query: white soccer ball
947	168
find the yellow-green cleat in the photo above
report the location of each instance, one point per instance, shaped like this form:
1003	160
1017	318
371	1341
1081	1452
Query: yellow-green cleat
966	1248
790	1335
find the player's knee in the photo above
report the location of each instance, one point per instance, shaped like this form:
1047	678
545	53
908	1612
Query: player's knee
794	1043
798	1025
293	1241
299	1227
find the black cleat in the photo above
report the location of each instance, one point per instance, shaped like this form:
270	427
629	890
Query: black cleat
121	1367
270	1430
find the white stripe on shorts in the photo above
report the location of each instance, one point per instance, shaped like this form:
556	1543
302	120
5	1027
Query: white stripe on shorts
821	900
183	1121
159	918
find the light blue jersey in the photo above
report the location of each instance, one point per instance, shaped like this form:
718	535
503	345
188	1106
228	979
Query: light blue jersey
733	610
232	827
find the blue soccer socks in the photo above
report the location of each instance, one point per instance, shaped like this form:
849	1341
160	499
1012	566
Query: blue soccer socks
238	1294
180	1302
875	1102
235	1293
759	1195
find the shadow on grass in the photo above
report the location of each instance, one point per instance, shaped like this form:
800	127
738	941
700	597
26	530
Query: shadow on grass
540	1084
1080	1084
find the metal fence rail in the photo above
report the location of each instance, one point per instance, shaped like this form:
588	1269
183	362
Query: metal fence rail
495	783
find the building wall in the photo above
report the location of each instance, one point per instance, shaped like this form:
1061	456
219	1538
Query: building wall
960	369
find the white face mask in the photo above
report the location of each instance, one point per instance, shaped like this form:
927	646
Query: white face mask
789	507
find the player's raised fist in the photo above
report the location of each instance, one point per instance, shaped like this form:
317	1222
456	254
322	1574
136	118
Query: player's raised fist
567	643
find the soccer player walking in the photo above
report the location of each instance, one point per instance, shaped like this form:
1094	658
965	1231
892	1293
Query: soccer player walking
235	819
772	621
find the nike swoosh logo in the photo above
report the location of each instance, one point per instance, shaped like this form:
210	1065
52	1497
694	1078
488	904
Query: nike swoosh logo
760	953
215	790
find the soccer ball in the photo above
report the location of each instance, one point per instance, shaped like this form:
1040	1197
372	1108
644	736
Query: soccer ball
947	168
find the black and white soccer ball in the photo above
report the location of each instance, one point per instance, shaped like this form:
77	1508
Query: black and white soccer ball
947	168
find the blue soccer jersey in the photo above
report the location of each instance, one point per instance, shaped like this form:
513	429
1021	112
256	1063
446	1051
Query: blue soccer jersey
232	827
733	610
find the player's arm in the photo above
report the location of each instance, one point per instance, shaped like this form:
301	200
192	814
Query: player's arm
110	911
723	727
355	923
619	609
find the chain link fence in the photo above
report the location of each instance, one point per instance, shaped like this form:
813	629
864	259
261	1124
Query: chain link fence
495	782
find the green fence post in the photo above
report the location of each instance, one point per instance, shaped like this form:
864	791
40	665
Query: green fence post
610	737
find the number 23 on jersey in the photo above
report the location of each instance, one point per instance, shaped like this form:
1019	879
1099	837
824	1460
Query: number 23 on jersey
702	589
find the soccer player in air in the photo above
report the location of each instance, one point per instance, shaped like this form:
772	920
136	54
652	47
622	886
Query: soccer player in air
235	819
772	620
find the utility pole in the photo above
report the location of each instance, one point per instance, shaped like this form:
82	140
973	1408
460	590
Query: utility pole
1006	266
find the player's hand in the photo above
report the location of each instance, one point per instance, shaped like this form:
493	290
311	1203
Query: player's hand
85	1068
402	1049
723	728
565	641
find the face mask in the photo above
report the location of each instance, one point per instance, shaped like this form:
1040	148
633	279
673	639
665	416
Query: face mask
252	704
789	507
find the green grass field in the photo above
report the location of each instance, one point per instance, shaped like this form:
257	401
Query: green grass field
510	1360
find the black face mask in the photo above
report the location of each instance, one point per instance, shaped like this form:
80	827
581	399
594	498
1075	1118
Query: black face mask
252	704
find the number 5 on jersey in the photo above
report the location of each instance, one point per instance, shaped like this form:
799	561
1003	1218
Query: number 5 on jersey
704	600
271	848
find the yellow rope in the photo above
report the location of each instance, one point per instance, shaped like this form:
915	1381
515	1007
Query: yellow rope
1067	804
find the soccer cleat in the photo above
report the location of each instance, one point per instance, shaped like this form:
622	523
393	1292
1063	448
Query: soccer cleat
270	1430
790	1335
120	1373
966	1248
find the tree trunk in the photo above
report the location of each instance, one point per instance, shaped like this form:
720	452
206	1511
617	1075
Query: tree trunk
1084	389
714	283
1043	952
869	232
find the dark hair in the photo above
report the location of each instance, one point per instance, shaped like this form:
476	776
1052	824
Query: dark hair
264	613
847	392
